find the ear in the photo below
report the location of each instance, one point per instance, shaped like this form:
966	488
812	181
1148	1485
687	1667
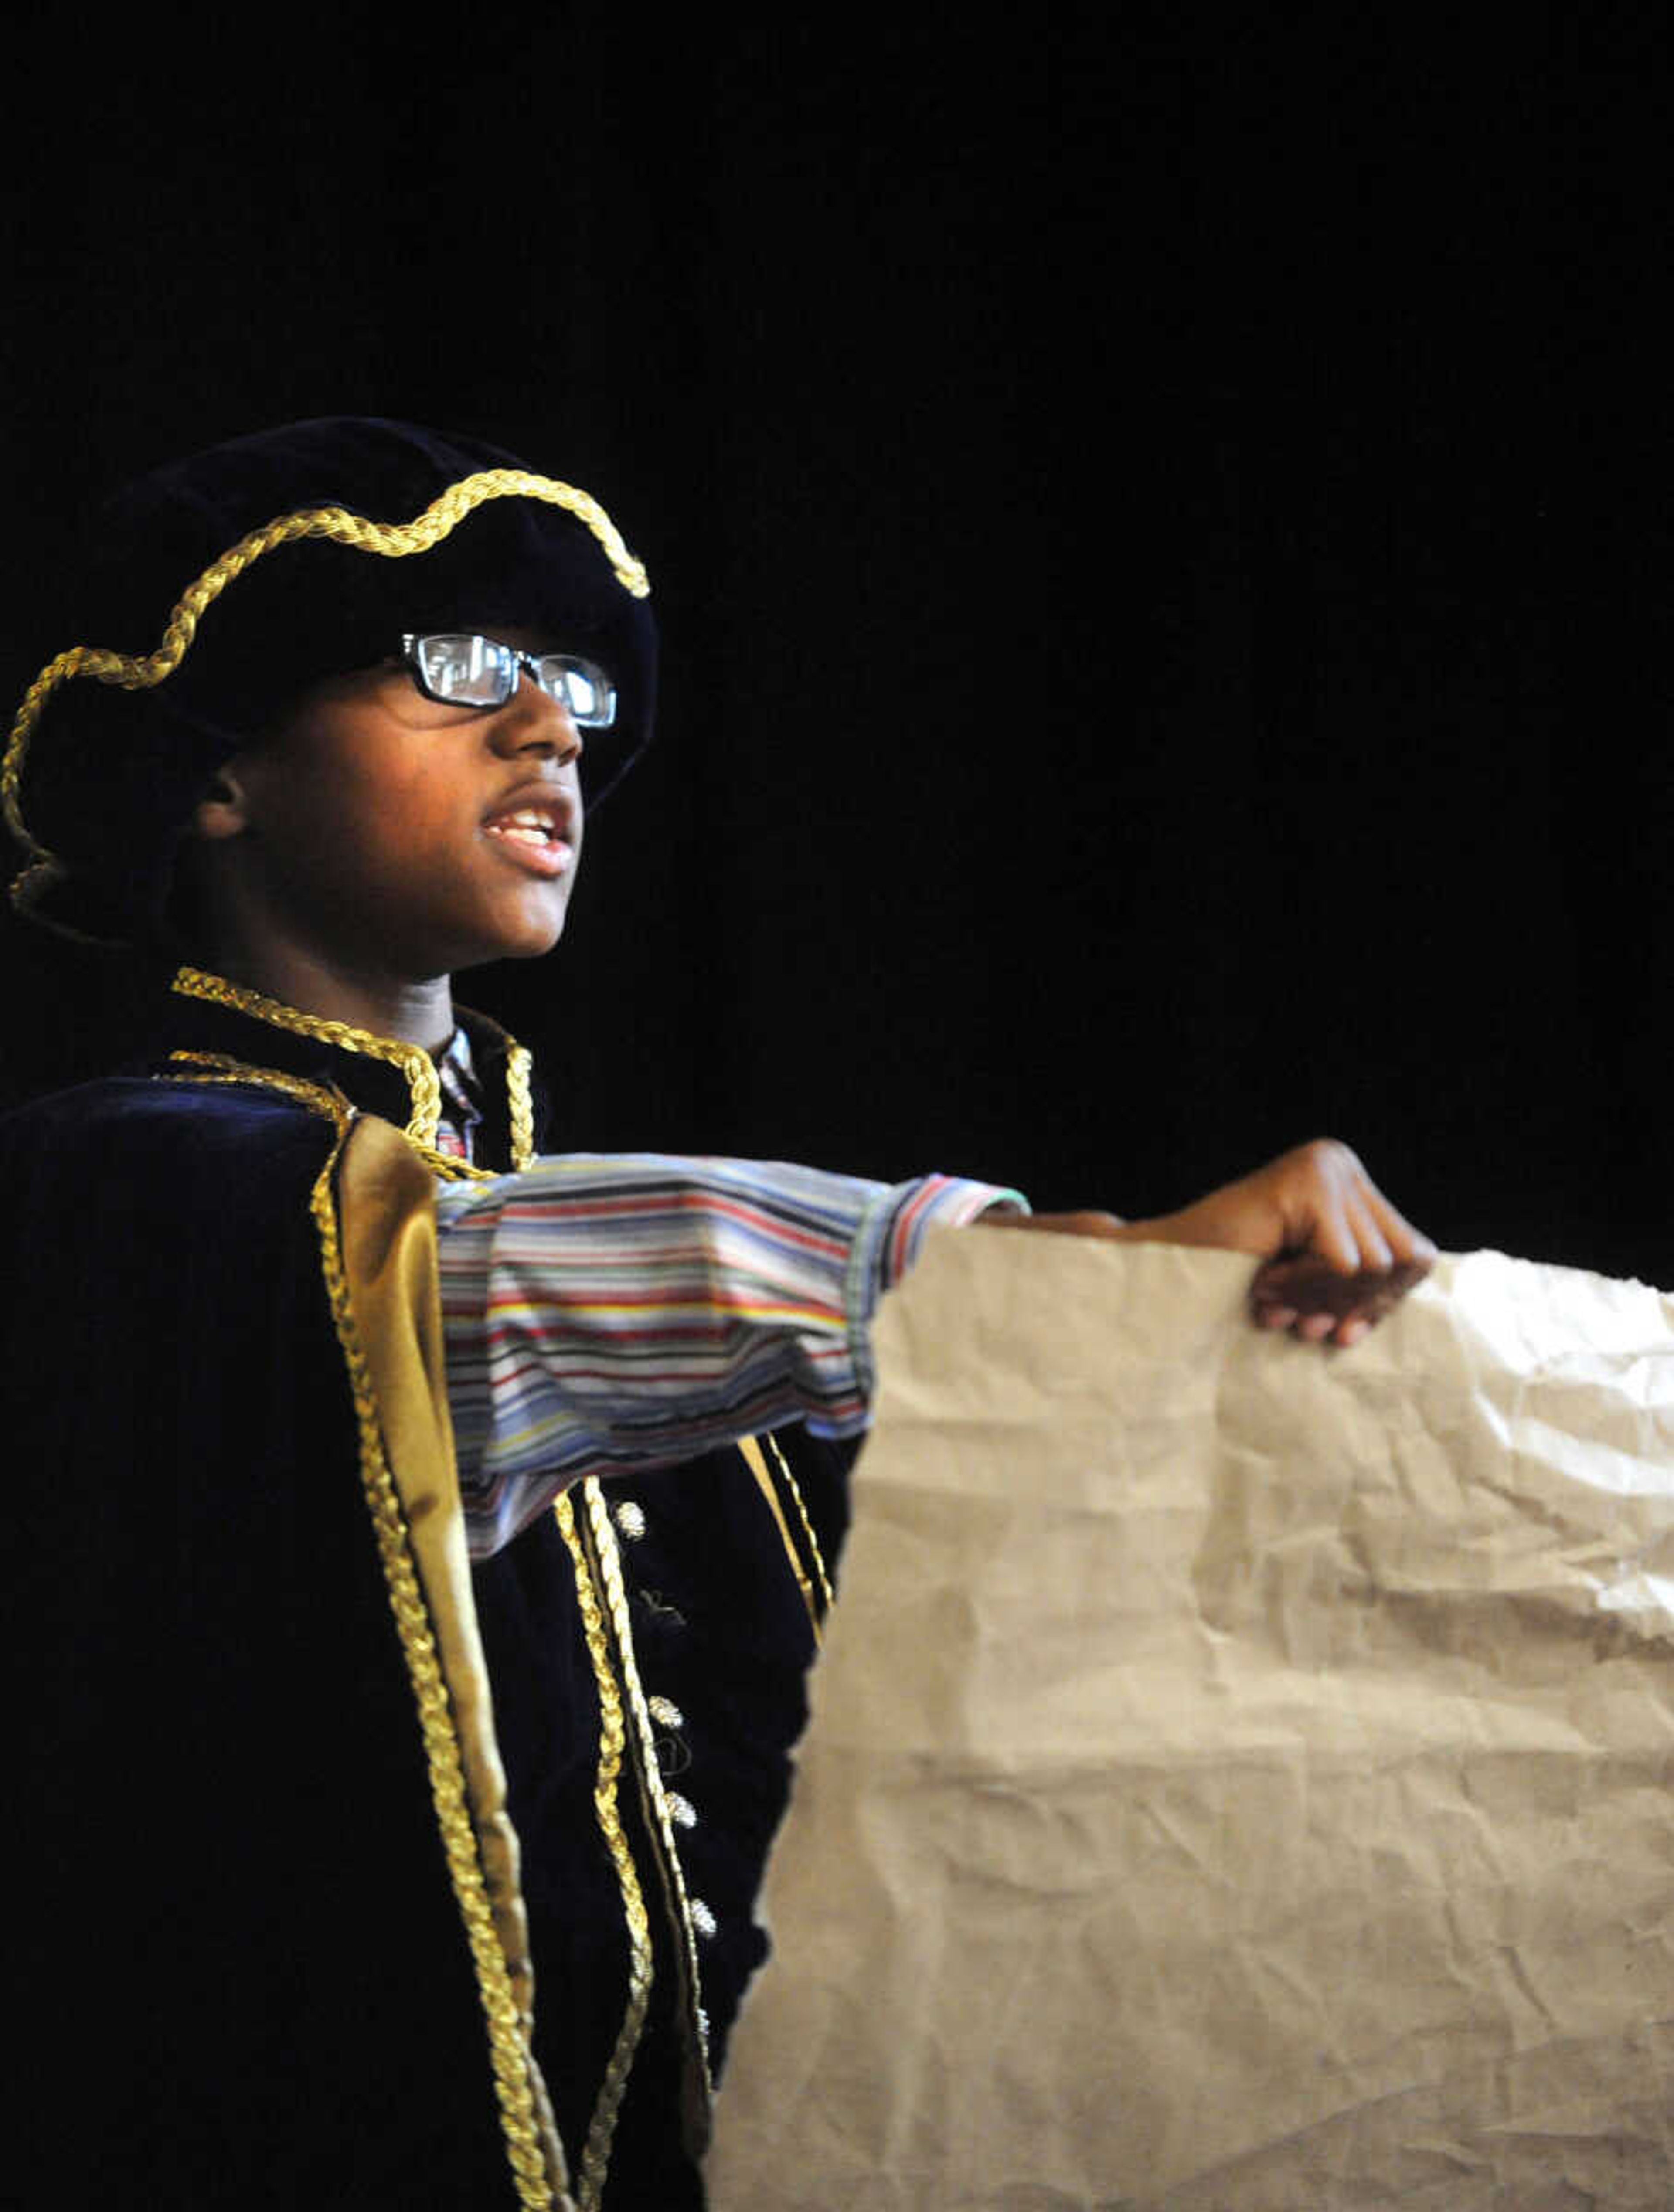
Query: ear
224	809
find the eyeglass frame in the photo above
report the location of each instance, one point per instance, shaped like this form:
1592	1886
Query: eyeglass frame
522	661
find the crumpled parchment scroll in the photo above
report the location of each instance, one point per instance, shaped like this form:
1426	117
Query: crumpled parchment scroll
1241	1776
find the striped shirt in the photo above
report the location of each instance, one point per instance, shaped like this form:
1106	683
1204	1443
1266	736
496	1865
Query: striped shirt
608	1312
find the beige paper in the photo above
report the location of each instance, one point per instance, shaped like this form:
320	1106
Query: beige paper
1241	1776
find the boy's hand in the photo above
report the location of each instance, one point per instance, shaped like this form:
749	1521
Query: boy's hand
1338	1255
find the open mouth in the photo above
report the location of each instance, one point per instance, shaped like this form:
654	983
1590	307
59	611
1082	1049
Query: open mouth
532	836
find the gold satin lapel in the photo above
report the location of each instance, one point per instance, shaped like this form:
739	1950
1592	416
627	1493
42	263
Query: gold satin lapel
389	1252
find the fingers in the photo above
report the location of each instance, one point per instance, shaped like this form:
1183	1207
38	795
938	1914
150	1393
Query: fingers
1405	1243
1336	1255
1358	1229
1320	1304
1333	1235
1379	1235
1351	1254
1371	1247
1321	1193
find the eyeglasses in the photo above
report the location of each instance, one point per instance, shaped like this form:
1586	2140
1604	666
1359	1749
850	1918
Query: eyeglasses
461	669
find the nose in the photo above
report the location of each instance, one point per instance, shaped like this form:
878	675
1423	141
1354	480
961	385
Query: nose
532	721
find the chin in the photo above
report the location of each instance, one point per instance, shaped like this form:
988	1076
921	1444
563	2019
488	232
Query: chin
530	941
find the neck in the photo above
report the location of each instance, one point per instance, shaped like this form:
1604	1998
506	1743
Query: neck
412	1013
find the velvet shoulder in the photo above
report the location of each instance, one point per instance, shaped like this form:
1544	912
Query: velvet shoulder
146	1122
213	1178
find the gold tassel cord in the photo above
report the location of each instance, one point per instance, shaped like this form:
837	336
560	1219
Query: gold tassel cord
391	540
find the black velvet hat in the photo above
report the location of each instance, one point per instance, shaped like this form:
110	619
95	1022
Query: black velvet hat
215	589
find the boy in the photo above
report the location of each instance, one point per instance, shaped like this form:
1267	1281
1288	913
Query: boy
398	1788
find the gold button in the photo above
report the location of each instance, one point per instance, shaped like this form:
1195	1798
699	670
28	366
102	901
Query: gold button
665	1710
702	1918
629	1520
681	1810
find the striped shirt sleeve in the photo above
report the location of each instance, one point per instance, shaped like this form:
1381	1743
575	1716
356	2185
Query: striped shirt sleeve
607	1312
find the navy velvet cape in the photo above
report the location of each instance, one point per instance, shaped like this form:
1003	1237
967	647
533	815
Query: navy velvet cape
239	1963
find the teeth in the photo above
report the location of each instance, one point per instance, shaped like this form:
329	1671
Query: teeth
528	825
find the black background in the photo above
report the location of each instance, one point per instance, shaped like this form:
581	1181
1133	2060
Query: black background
1159	521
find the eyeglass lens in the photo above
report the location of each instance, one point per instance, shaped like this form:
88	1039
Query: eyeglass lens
469	670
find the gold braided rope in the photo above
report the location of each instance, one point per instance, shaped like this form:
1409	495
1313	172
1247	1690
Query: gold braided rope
225	1070
595	2158
520	1100
424	1087
814	1552
650	1775
451	1168
393	540
508	2035
417	1067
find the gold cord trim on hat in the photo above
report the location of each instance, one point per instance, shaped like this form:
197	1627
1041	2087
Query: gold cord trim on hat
613	1736
700	2086
143	671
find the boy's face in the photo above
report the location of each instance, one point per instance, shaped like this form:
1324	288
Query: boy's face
383	831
